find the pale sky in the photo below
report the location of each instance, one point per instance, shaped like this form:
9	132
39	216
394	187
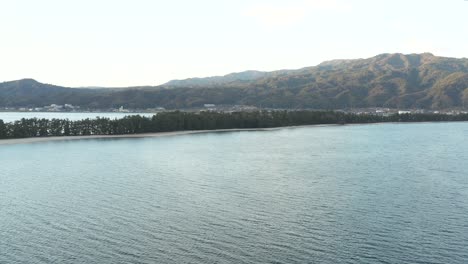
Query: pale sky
148	42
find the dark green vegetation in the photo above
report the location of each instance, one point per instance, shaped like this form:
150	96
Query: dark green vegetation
245	76
181	121
387	80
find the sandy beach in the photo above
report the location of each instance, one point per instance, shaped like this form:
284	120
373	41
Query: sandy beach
189	132
143	135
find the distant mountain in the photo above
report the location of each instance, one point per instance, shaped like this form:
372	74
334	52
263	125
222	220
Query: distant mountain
243	77
386	80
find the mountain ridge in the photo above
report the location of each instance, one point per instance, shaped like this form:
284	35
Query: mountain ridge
392	80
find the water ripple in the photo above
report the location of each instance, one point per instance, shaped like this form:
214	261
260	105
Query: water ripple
352	194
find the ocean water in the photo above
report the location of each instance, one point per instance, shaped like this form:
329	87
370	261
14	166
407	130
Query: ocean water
14	116
385	193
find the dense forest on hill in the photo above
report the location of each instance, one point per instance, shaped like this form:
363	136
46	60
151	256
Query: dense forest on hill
387	80
182	121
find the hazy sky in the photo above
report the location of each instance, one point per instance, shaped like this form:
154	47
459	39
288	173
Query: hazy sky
148	42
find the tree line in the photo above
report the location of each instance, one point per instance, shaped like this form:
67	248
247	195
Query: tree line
181	121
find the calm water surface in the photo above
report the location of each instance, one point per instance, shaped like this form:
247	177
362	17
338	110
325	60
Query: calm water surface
14	116
390	193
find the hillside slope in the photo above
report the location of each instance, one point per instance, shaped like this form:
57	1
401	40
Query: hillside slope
386	80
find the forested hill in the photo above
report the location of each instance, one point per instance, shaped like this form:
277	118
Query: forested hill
245	76
386	80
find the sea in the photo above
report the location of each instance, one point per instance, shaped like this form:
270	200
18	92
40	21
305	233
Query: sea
379	193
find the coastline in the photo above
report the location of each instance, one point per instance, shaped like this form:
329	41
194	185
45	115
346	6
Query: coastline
15	141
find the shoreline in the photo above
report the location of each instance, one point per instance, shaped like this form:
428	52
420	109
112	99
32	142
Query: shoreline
15	141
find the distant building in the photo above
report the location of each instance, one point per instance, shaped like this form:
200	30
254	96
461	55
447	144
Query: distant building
122	110
209	105
402	112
